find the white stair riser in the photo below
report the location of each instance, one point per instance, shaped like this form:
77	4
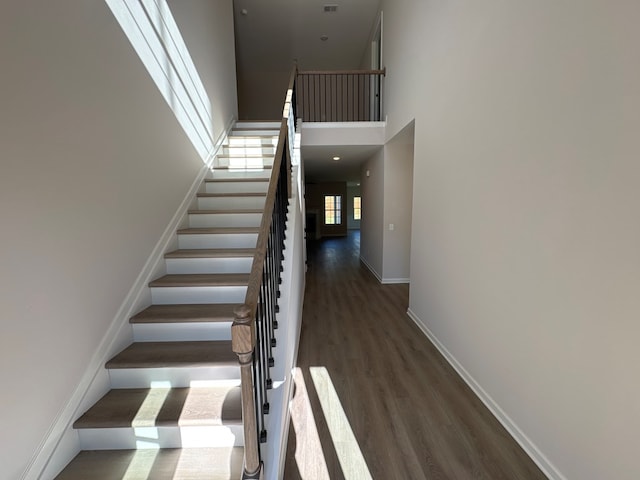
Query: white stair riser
209	265
232	174
244	164
174	377
255	133
202	220
181	332
161	437
238	187
182	295
221	240
273	125
220	203
267	149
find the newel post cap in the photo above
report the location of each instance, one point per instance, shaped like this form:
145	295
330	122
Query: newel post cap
242	312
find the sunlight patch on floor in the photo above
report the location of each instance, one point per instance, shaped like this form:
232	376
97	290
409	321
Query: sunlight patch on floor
309	455
354	466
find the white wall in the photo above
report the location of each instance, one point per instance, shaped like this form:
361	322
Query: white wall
525	258
94	165
288	336
398	193
372	222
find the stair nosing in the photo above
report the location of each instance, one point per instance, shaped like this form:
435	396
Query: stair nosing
110	464
185	313
187	354
237	179
211	253
232	195
239	211
219	231
201	280
119	408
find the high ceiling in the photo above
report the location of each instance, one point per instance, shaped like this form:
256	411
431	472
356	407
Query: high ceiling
272	34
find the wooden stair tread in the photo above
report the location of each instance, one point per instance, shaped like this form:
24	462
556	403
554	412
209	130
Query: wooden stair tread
163	464
212	253
164	407
233	195
246	155
236	179
175	354
243	168
237	211
254	128
202	280
218	230
207	312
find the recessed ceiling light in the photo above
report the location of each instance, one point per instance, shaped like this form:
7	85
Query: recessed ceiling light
336	158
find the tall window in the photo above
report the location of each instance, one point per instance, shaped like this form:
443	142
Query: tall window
356	208
332	209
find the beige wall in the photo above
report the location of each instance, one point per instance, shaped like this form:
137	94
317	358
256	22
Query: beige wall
525	261
372	223
94	165
398	197
207	29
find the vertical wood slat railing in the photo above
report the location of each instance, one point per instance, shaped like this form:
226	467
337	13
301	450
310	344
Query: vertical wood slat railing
340	96
253	331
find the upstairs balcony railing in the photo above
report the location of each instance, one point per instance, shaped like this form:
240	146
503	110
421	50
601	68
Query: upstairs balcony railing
340	96
253	331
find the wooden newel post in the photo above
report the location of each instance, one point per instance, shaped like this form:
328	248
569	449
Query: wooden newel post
243	341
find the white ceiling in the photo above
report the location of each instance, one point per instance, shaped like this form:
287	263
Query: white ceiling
275	33
320	166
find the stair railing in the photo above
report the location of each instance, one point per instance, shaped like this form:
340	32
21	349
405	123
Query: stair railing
340	95
253	331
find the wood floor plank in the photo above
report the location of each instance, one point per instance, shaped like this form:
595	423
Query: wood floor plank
413	417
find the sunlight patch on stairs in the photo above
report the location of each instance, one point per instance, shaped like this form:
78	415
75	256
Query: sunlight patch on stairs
150	408
141	465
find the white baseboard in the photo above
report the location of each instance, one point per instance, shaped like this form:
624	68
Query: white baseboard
518	435
116	338
391	281
371	269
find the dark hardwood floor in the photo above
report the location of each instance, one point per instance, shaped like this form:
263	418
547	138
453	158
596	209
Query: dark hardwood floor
394	408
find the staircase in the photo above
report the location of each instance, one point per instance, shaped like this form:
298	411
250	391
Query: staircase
174	409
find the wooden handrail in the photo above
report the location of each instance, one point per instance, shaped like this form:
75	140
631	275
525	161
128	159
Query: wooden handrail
343	72
255	277
244	334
